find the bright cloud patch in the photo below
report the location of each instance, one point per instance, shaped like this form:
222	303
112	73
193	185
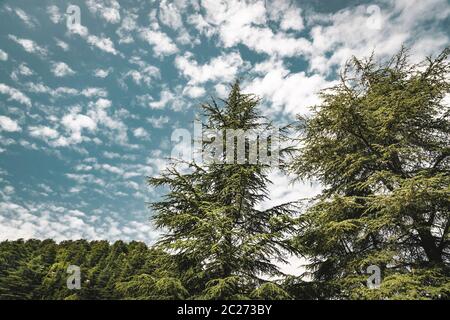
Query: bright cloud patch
29	45
60	69
104	44
162	45
288	92
7	124
39	221
14	94
222	68
3	55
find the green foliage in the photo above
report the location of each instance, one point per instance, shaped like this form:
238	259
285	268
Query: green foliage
38	270
270	291
229	288
144	287
210	215
380	145
421	284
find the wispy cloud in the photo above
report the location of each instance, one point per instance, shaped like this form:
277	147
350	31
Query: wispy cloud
162	45
61	69
158	122
14	94
29	45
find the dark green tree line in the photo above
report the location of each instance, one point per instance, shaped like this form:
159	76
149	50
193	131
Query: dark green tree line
37	270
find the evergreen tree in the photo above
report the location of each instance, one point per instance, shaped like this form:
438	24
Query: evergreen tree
380	145
224	243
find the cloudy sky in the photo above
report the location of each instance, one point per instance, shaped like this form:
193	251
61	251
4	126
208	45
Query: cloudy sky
87	112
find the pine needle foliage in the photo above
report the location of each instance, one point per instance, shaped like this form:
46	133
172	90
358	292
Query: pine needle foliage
380	145
212	215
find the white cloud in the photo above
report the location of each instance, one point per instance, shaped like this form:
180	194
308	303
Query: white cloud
158	122
200	24
3	55
111	155
79	29
353	31
28	20
65	91
8	124
85	179
99	114
185	38
292	19
61	69
132	185
108	10
9	190
101	73
45	187
63	45
161	42
103	103
170	15
194	91
104	44
141	133
29	45
109	168
54	14
286	13
75	124
94	92
112	15
446	100
283	190
221	90
47	220
239	22
14	94
127	26
43	132
335	37
166	98
221	68
38	88
22	70
145	75
287	92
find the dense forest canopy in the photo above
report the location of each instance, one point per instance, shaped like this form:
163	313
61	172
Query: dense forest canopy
35	269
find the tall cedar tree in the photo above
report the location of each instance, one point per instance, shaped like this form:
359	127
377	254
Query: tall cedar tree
380	145
211	218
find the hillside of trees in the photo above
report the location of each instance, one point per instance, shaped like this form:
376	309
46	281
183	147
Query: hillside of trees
379	144
37	270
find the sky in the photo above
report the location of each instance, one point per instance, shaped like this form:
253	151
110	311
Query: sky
87	110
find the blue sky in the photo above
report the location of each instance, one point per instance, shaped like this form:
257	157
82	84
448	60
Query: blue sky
87	113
